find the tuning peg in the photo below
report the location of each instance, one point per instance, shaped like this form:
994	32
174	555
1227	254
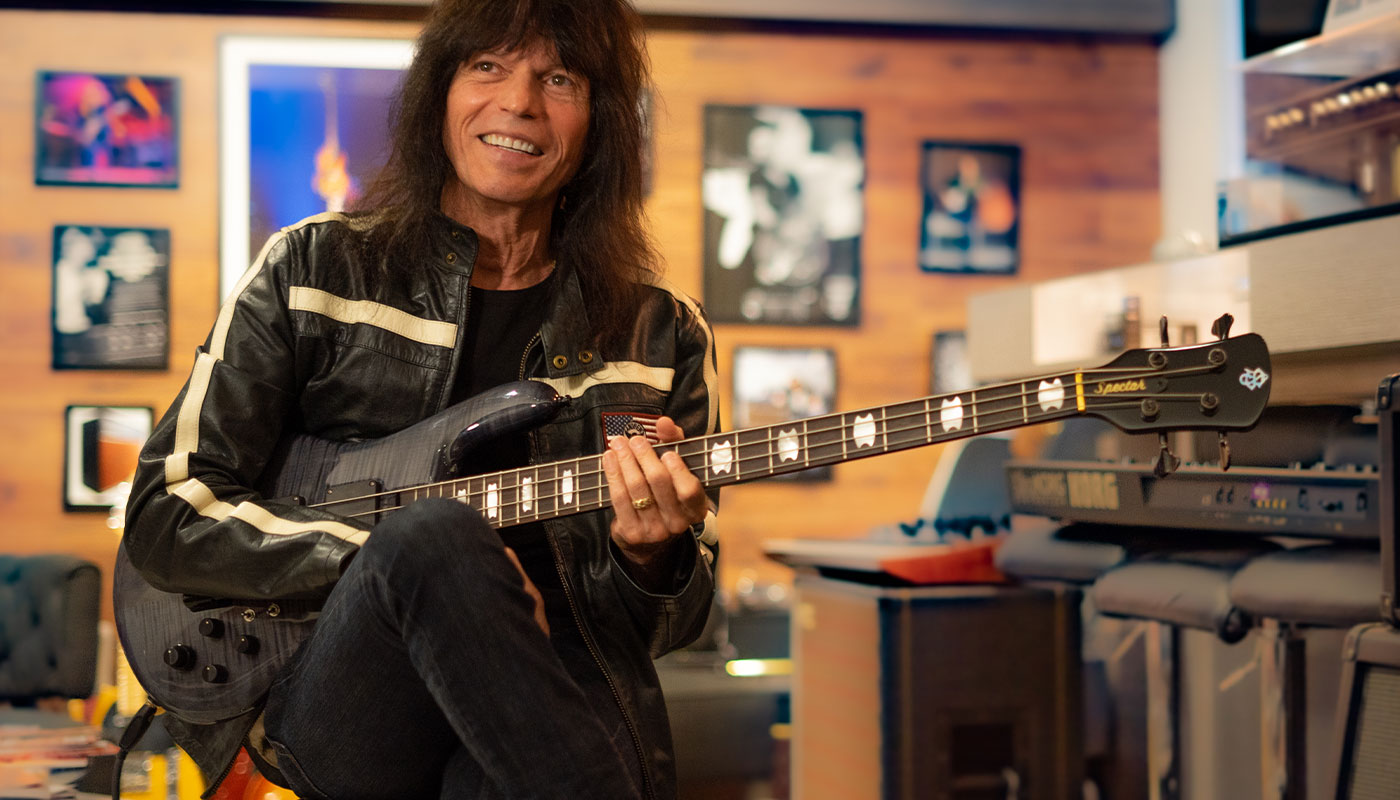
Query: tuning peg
1165	463
1162	329
1224	452
1221	327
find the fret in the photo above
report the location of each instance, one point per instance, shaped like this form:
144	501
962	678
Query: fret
476	493
806	446
884	429
972	407
754	453
592	484
905	426
510	497
1025	402
1000	409
863	430
691	451
826	443
546	491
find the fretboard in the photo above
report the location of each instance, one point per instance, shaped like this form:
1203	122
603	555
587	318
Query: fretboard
560	488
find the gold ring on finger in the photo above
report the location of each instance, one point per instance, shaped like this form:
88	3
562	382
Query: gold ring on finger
643	502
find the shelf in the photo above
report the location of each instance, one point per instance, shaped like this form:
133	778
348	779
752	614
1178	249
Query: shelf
1360	49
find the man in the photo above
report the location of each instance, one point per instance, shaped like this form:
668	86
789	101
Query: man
506	241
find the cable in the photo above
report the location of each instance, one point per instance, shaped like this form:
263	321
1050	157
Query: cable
135	729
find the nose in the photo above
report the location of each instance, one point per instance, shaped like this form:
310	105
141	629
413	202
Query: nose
520	94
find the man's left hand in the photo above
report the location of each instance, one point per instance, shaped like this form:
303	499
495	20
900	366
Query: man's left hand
671	499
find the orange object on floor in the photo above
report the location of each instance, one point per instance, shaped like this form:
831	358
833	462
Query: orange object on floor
261	788
963	563
236	782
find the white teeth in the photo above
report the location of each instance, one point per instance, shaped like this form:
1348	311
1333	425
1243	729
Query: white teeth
510	144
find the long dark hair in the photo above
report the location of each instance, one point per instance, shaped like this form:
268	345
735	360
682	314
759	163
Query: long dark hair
599	230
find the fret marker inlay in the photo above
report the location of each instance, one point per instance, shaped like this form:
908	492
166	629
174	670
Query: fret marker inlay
1051	395
863	431
566	486
721	457
527	494
787	445
493	501
951	414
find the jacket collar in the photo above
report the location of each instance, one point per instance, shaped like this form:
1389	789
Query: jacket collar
565	329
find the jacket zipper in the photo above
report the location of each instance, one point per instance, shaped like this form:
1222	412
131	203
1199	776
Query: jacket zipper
598	659
525	356
578	620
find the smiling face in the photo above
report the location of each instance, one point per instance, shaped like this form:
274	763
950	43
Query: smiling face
514	131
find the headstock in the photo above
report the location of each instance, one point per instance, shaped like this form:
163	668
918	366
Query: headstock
1221	386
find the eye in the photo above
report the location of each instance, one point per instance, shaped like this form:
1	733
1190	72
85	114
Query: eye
560	79
483	66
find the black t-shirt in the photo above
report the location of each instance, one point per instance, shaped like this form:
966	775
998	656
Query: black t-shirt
501	324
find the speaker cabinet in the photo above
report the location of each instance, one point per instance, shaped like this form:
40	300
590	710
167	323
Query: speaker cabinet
1366	766
935	693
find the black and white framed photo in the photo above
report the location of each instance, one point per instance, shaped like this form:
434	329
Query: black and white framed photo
773	385
304	129
111	297
101	445
783	192
972	208
950	371
106	130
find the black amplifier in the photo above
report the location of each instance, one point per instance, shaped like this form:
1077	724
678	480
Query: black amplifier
1334	503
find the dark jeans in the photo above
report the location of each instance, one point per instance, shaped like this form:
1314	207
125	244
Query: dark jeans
427	677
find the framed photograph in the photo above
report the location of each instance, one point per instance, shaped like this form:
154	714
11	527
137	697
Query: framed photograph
949	370
784	211
779	384
101	444
106	130
111	297
972	208
304	129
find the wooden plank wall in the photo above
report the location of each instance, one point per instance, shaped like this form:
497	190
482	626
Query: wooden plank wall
1084	112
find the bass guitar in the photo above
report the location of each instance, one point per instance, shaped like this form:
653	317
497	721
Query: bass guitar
214	660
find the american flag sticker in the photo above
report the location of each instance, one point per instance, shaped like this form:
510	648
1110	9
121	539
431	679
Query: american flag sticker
629	424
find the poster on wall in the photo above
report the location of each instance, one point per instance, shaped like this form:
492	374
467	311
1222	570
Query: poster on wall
780	384
972	208
106	130
950	371
111	297
783	195
101	444
304	130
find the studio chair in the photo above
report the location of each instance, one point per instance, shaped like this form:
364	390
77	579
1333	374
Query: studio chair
1291	593
48	634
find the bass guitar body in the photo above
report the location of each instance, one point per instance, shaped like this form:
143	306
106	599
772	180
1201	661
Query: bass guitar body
211	659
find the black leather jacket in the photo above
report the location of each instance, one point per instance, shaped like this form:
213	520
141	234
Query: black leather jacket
302	347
